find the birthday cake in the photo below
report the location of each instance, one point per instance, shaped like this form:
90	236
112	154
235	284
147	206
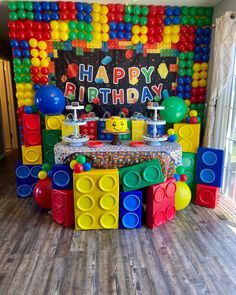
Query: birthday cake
116	124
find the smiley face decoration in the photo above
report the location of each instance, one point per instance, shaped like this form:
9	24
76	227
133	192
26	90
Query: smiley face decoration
116	124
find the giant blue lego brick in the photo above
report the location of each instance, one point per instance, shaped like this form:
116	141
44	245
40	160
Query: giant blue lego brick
101	128
26	179
130	210
210	165
62	177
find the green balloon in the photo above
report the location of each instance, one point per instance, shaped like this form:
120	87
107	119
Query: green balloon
12	5
201	11
128	9
209	11
80	35
182	64
29	5
184	20
143	21
180	170
144	10
80	26
135	20
190	55
189	72
72	35
81	159
193	106
72	25
18	79
136	10
192	20
25	70
20	5
88	28
13	16
26	62
184	10
16	62
201	106
190	64
193	11
181	72
199	120
30	15
46	167
175	109
200	22
89	37
26	79
22	14
127	18
17	71
208	21
182	56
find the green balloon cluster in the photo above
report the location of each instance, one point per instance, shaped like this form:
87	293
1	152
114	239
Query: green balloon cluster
136	15
80	30
175	109
22	70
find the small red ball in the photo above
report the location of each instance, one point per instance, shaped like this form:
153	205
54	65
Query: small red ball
63	15
160	10
44	80
11	25
71	15
71	6
38	26
159	38
153	10
183	177
193	120
62	6
111	7
159	20
36	79
78	168
46	36
119	17
44	71
183	30
111	17
46	27
29	34
120	8
34	70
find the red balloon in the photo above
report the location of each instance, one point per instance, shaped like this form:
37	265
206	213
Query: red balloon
152	21
20	35
44	80
62	6
151	31
111	17
183	177
120	8
202	90
191	38
195	91
194	99
191	30
201	98
71	6
151	39
181	47
34	70
29	24
29	34
63	15
38	36
183	29
71	15
159	38
159	29
20	25
111	7
42	193
44	71
12	35
193	120
152	10
78	168
38	26
11	24
36	79
159	20
46	27
190	47
160	10
46	36
183	38
119	17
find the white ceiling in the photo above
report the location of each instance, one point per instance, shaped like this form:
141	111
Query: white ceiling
4	9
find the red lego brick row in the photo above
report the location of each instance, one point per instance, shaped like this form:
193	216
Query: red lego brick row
31	130
63	207
90	129
161	203
207	196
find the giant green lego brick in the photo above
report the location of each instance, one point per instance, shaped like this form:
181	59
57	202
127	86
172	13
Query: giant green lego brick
189	163
50	138
141	175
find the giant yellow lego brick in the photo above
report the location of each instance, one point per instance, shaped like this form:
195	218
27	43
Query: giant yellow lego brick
188	136
139	128
54	122
67	130
32	155
96	199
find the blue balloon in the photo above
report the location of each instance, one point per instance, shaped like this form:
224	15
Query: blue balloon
128	35
14	44
199	31
113	26
188	87
28	109
180	88
177	177
46	5
49	100
112	34
17	53
26	53
197	57
49	173
54	6
198	40
88	8
128	27
187	95
46	17
38	16
120	35
187	119
205	57
206	40
207	31
169	11
88	19
121	26
188	80
176	20
171	138
167	21
37	6
80	7
87	166
205	49
180	94
176	11
80	16
197	49
55	16
181	81
36	86
25	44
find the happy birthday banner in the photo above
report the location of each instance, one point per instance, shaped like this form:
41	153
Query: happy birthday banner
115	80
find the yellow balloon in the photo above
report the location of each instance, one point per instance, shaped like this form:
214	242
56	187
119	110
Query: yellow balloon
171	131
104	19
42	175
96	17
196	76
105	28
195	84
72	164
167	30
29	94
20	95
187	102
203	74
29	102
20	87
34	52
97	36
143	39
175	38
43	54
28	87
97	27
20	103
35	62
104	10
135	39
202	83
144	30
193	113
55	35
204	66
167	39
44	62
96	7
63	27
64	36
42	45
197	67
33	42
136	30
105	37
175	29
182	195
55	25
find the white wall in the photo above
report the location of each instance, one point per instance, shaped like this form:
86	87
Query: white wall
219	10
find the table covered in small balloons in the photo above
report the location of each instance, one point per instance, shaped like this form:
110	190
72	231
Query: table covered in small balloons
110	156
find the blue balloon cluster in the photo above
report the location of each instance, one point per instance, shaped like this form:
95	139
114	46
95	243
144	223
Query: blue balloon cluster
202	48
184	87
20	49
172	16
84	12
42	11
120	30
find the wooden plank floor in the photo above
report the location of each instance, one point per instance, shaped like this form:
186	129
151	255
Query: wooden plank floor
194	254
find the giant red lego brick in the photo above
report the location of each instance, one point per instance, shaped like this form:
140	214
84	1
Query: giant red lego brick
161	203
31	130
90	129
63	207
207	196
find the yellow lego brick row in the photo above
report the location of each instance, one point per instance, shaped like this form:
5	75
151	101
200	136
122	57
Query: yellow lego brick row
139	128
54	122
188	136
94	44
67	130
55	53
153	50
32	155
96	199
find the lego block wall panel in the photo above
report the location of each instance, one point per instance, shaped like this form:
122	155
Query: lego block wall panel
130	215
62	177
100	128
139	128
96	199
31	130
188	136
32	155
90	129
141	175
63	207
189	163
161	203
210	166
207	196
50	138
54	122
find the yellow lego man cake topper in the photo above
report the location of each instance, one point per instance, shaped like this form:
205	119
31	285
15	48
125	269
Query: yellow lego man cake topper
116	124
